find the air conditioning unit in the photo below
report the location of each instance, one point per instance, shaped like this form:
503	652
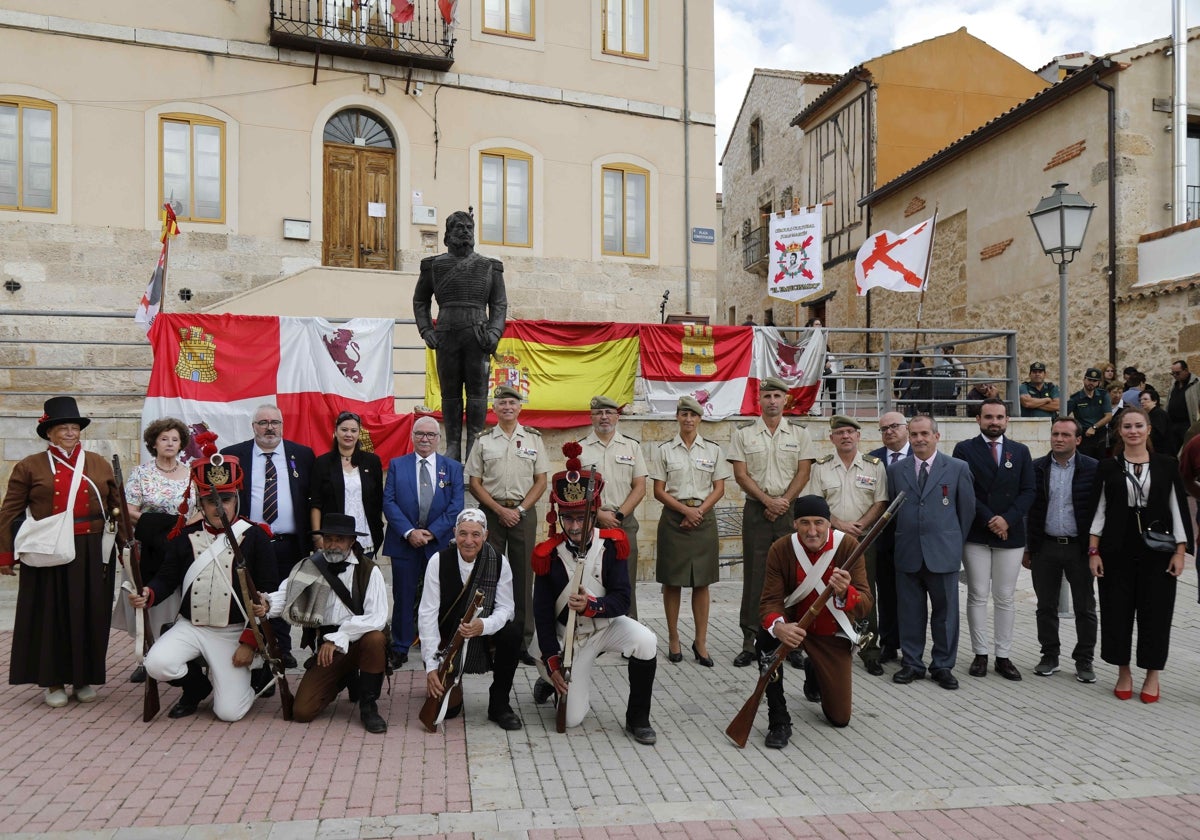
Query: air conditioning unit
424	215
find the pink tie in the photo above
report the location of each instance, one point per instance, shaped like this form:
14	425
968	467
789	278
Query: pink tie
995	452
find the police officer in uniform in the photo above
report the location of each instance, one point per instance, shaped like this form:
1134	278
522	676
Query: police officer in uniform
618	457
506	473
771	461
1091	407
855	486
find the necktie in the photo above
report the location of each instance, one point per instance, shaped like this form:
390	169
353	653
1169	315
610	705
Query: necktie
923	477
995	452
895	458
270	490
424	491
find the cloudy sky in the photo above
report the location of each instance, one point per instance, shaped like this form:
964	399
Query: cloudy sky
831	36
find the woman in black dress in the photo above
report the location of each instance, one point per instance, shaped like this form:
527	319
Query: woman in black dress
349	480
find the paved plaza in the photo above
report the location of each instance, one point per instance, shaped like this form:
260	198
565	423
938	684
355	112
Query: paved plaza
1046	757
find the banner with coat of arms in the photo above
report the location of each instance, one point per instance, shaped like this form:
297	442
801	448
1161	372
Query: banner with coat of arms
794	258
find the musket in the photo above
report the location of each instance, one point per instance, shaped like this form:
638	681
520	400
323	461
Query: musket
264	633
568	654
739	729
452	660
150	700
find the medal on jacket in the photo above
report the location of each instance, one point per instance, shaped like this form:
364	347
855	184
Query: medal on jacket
295	472
946	495
1007	461
442	477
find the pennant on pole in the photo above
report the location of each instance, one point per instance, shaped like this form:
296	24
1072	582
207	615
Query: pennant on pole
170	226
402	11
151	301
899	263
795	257
447	9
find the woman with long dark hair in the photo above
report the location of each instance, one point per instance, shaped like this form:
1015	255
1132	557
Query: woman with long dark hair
348	479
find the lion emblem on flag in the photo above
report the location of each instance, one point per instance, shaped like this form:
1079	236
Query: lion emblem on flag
345	352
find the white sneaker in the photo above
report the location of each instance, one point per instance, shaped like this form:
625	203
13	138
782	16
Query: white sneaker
56	698
85	694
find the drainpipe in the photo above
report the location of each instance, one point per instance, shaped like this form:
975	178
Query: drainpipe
1179	120
1112	217
687	181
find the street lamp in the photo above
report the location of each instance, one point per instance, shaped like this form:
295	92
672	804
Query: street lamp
1061	221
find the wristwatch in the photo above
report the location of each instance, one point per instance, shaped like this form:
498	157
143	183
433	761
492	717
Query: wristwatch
620	517
521	511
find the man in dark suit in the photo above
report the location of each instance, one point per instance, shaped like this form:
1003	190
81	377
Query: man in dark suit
420	524
930	530
279	472
1002	470
893	429
1058	539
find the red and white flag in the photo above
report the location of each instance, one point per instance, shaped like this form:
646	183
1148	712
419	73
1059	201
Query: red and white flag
217	369
709	363
151	302
446	7
402	11
799	365
899	263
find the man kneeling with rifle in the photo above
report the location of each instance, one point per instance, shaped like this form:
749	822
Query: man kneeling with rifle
340	599
580	600
447	613
213	619
799	567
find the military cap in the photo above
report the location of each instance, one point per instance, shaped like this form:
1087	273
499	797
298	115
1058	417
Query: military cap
503	391
601	401
772	383
840	421
1092	373
1037	366
689	404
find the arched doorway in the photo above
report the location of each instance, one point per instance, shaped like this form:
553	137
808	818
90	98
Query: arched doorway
359	192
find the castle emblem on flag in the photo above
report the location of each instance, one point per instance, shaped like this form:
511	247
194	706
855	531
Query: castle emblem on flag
197	360
364	439
345	352
507	370
698	348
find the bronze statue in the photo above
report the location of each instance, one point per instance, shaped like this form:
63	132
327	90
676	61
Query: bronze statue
469	288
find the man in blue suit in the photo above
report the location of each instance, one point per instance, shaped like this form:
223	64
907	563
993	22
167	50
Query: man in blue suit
1003	474
893	429
277	493
420	524
930	530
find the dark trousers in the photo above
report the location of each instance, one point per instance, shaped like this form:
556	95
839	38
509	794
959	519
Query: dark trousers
517	545
408	574
1136	587
630	526
1093	445
461	362
941	590
288	552
757	536
1047	567
830	658
505	657
870	651
885	593
320	685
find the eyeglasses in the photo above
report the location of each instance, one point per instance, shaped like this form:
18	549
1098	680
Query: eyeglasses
891	427
427	435
268	424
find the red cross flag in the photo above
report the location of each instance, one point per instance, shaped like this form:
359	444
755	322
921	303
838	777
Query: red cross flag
899	263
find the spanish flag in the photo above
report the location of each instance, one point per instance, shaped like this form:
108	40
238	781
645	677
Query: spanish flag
557	367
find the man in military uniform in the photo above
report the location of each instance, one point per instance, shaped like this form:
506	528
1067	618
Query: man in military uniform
1039	398
771	461
472	307
1091	407
506	474
619	459
855	486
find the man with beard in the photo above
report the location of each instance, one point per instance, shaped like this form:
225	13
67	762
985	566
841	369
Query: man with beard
1002	472
340	599
1091	407
472	306
600	603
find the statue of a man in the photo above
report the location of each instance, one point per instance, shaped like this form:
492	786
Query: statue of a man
469	288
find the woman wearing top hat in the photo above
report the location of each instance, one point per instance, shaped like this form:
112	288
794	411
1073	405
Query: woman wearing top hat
60	634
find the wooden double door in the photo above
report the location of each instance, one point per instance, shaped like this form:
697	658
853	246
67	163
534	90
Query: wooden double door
360	207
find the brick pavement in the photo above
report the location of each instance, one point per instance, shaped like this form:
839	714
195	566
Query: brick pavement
1047	757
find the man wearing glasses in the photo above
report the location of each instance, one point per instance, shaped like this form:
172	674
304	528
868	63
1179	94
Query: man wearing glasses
421	500
618	458
1091	407
893	429
277	494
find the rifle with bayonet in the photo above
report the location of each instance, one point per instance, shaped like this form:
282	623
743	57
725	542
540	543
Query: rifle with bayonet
131	558
568	652
452	660
739	729
264	633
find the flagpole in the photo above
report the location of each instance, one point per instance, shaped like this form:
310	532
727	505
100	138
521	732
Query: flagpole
170	228
928	269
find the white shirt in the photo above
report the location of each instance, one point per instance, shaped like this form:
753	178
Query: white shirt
431	601
285	521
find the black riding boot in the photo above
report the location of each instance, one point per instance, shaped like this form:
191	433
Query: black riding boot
476	420
195	688
369	686
641	688
779	722
452	418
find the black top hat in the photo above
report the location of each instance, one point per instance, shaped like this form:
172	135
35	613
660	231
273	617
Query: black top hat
56	411
338	525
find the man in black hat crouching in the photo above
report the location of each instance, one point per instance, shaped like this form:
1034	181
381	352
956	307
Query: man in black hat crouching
600	603
213	620
340	599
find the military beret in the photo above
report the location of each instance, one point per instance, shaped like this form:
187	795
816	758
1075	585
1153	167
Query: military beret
840	421
503	391
772	383
601	401
689	404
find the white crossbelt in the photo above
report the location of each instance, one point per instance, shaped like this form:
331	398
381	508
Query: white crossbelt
814	573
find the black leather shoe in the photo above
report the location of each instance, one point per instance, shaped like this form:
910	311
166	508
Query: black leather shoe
906	675
506	719
796	658
542	691
288	660
944	678
873	667
706	661
260	678
184	708
886	656
526	659
138	675
743	659
642	734
812	693
778	736
397	659
979	666
1006	669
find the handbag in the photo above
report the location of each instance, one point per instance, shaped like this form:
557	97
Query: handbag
1154	537
50	541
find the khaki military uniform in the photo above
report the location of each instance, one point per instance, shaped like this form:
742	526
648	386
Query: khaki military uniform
507	466
771	461
619	461
688	558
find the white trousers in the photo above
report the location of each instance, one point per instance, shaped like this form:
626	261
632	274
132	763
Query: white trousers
168	659
991	571
624	635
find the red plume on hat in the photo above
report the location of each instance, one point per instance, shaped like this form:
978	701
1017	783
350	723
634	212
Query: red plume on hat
569	488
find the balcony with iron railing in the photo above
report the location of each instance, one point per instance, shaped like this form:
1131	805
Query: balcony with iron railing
411	34
754	251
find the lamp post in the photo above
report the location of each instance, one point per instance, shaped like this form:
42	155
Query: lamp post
1061	221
